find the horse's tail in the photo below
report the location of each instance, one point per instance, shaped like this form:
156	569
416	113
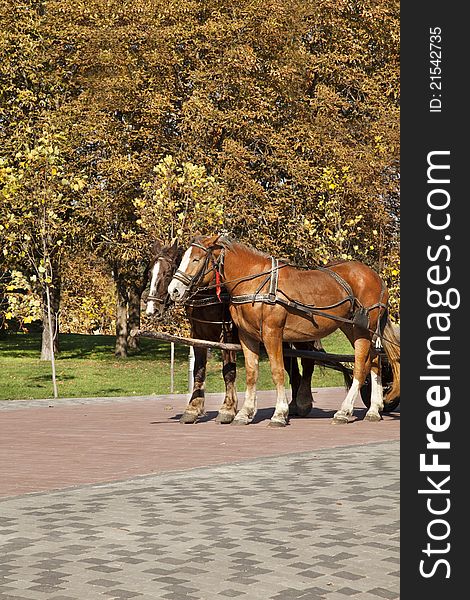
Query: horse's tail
391	344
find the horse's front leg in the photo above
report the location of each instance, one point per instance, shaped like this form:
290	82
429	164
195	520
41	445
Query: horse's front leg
250	349
273	344
228	410
361	369
195	406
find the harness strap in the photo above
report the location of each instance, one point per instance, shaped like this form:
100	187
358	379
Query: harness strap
311	311
182	277
269	298
155	299
344	284
207	301
206	321
272	296
377	305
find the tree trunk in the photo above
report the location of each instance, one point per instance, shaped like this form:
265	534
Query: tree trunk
121	318
134	316
46	342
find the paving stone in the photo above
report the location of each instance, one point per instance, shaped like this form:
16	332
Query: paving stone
380	592
348	591
129	543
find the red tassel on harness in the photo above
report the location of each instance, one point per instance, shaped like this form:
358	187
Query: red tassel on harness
218	287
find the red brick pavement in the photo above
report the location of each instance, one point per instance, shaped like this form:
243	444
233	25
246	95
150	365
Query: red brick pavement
52	448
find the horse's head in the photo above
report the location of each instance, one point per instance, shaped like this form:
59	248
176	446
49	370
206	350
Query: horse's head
197	267
165	261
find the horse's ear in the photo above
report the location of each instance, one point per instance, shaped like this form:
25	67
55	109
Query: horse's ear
196	235
157	246
173	249
212	241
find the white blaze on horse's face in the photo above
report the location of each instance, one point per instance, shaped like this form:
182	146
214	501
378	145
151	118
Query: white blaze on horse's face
177	288
153	288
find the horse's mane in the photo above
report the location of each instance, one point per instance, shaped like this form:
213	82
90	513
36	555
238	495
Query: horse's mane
233	245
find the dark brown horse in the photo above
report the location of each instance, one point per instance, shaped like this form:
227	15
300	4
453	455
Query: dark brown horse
210	319
272	302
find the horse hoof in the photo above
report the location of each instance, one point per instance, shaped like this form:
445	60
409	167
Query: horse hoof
224	418
304	412
241	421
277	423
340	420
293	411
373	417
188	418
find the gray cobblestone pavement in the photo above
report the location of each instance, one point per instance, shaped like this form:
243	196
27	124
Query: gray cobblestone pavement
317	525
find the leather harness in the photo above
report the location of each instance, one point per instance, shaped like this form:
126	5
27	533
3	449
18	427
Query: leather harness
359	315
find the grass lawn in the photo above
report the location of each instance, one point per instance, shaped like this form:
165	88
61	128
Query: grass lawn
86	367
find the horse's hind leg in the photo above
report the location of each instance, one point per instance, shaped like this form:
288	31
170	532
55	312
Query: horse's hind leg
250	349
304	394
195	406
360	372
228	410
376	397
301	385
291	367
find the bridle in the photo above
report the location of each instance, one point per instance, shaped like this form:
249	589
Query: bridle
165	301
209	265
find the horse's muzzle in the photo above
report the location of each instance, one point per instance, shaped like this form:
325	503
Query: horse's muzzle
155	309
177	296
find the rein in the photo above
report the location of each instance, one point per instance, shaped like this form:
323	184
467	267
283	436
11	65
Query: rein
240	279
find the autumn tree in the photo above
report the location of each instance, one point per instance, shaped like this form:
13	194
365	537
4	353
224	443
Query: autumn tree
287	112
123	73
38	202
179	199
20	303
36	189
88	302
294	106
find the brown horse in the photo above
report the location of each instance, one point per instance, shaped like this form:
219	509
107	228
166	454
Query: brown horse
210	319
273	301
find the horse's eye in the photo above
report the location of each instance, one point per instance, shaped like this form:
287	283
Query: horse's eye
196	259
